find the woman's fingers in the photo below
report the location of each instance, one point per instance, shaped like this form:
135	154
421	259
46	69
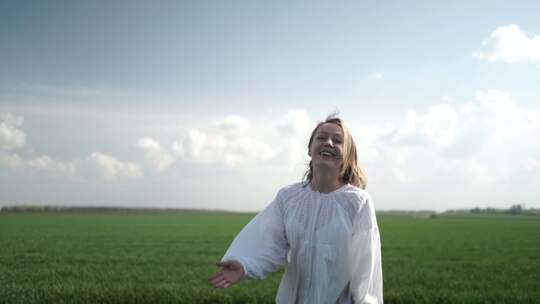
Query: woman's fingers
219	281
216	278
224	278
222	284
217	274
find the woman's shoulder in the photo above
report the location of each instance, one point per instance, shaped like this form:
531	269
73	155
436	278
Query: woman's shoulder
350	191
357	194
359	205
291	189
354	198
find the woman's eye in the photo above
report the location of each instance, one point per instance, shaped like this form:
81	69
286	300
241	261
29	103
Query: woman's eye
335	140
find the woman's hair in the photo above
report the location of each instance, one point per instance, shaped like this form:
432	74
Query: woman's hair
350	170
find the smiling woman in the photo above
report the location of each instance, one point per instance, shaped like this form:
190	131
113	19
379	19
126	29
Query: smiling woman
323	229
332	140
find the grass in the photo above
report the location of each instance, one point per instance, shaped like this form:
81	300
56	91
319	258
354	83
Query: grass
166	258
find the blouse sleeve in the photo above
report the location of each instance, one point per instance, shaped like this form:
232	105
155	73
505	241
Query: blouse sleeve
366	283
261	246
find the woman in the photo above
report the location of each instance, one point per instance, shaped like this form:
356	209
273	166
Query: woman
323	228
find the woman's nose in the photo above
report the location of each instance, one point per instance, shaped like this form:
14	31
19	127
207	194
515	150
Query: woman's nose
329	142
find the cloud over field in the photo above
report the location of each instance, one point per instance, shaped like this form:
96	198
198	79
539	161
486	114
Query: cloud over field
40	164
480	141
154	154
228	141
234	141
14	146
294	129
11	137
113	169
484	141
510	44
233	123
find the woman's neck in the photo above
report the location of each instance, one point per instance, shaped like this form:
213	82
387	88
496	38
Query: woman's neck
325	182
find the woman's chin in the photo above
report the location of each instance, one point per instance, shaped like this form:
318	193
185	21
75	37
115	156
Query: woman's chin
325	165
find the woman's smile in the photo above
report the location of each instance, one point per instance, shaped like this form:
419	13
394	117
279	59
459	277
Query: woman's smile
327	146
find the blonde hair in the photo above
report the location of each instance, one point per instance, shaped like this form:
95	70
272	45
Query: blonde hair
351	172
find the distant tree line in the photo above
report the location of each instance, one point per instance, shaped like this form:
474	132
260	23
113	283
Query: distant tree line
100	209
517	209
32	208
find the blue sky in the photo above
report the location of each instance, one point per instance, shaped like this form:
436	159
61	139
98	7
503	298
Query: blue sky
131	103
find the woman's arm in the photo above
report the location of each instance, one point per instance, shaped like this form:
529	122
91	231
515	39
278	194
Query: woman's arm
260	248
365	256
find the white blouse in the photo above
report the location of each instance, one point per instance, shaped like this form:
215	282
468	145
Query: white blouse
329	242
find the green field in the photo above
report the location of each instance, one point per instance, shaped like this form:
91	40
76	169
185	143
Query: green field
149	257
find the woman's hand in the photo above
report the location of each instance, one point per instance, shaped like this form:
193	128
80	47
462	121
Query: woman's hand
231	272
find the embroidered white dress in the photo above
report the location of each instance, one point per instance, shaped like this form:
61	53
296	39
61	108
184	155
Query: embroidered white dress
329	243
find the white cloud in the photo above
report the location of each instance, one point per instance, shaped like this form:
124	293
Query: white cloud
506	118
154	154
295	123
368	137
486	141
438	126
234	141
431	157
149	144
178	149
295	129
231	151
107	167
12	161
45	162
112	169
377	76
510	44
529	164
11	137
233	122
199	146
42	163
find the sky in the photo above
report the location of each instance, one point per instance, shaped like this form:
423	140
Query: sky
210	104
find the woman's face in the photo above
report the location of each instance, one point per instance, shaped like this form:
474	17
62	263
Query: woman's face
327	146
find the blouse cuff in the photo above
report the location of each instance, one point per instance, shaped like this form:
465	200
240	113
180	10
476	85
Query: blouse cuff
242	262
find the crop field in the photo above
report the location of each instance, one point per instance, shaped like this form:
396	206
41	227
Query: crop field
124	257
